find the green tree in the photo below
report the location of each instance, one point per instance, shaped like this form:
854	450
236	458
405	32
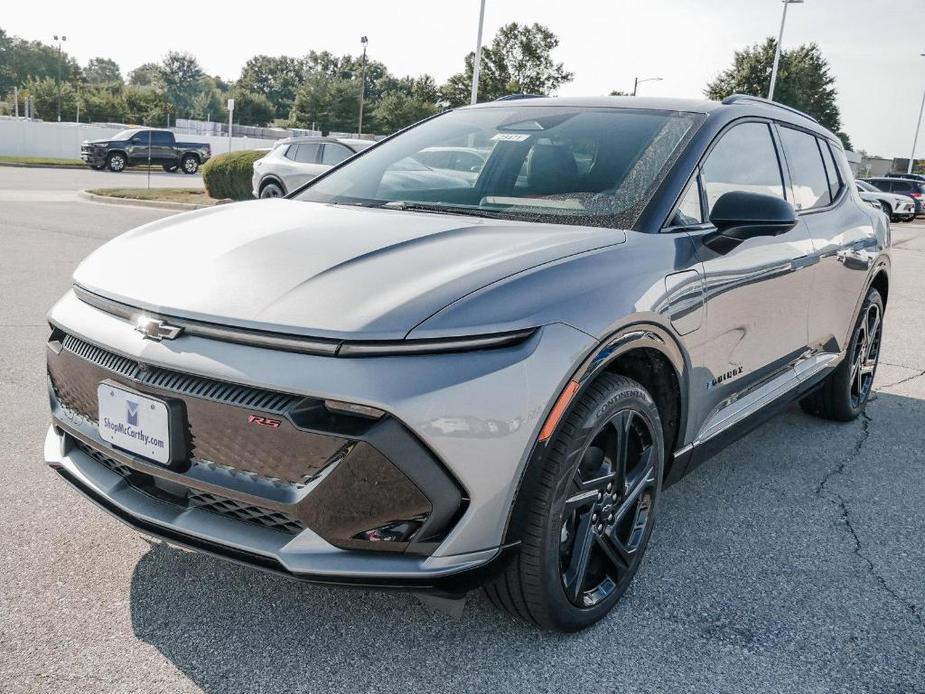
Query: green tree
397	110
278	78
209	103
180	78
102	71
519	60
102	104
144	75
22	60
251	108
144	106
804	81
44	92
328	103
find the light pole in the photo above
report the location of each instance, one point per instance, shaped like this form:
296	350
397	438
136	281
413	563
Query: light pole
780	38
60	41
637	82
477	61
364	41
918	125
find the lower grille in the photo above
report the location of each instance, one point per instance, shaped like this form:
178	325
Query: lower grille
243	512
195	498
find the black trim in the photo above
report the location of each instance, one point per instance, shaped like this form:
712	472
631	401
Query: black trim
309	345
451	585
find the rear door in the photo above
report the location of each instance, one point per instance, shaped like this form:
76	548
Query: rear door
757	293
163	148
842	233
302	164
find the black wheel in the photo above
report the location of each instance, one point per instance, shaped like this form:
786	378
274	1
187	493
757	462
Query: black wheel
271	190
189	164
116	162
844	393
169	168
593	511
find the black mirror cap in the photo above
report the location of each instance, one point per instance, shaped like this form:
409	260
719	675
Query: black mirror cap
741	214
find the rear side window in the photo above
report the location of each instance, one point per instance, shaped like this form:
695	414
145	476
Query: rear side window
334	154
807	172
159	138
306	153
831	169
904	187
745	159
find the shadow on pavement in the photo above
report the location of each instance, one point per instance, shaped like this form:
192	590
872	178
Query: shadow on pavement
792	562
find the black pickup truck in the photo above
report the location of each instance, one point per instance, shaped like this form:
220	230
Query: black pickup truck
140	146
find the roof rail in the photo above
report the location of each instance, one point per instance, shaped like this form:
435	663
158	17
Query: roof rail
514	97
736	98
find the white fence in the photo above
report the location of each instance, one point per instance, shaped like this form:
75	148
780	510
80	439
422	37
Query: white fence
27	138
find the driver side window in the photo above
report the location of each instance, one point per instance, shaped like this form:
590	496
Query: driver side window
745	159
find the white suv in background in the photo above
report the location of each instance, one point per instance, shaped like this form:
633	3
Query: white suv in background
295	161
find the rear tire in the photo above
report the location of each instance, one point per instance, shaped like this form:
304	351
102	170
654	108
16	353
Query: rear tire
844	394
592	512
271	189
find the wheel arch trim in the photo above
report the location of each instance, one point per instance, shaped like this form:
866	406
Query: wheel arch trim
619	342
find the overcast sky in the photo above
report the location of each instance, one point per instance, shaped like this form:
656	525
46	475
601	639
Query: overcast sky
871	44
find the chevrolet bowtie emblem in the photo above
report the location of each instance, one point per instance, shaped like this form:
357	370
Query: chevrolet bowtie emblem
155	329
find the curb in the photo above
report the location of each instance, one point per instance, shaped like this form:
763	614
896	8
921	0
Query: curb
41	166
160	204
75	167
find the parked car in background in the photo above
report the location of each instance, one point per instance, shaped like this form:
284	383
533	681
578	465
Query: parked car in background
137	146
453	158
295	161
380	380
896	207
899	174
902	186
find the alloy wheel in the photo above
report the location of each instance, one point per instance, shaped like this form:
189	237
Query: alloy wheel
608	509
866	353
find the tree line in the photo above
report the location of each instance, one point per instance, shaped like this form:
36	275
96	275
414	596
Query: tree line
321	90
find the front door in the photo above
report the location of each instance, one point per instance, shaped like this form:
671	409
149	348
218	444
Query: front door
756	293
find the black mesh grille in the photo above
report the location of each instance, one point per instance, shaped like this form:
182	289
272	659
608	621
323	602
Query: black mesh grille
186	384
195	498
244	512
108	360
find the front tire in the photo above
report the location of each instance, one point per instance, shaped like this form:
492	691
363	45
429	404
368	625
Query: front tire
189	164
844	394
593	511
116	162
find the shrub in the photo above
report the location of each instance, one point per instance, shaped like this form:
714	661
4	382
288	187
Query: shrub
229	175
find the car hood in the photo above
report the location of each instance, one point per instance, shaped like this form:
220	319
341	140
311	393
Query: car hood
321	270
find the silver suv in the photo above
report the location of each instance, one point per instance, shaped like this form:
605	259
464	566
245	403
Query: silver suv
295	161
425	379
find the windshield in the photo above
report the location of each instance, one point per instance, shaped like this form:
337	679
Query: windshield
867	187
125	134
567	165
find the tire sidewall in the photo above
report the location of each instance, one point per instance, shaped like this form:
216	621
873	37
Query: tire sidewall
844	373
185	162
562	612
269	185
114	158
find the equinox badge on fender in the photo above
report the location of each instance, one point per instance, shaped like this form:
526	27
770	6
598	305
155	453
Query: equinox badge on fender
154	329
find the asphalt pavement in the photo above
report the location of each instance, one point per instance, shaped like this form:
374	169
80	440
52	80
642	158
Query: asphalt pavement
792	562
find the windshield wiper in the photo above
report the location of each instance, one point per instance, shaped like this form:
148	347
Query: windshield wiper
439	209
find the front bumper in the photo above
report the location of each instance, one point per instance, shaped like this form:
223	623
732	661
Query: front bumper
476	413
93	157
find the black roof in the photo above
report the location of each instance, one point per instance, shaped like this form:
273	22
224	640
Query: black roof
737	106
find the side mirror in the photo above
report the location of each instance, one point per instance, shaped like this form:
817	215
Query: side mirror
740	215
